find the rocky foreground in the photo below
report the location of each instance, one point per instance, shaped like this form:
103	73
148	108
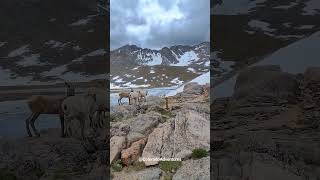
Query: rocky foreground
153	130
269	127
52	157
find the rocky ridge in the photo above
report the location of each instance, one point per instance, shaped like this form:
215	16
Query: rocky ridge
153	131
268	127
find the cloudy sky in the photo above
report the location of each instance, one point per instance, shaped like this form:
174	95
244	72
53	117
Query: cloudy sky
158	23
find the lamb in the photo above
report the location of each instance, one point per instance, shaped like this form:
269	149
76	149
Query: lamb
80	107
40	104
124	94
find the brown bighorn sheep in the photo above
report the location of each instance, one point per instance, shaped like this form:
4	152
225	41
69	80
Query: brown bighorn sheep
80	107
46	105
124	94
102	100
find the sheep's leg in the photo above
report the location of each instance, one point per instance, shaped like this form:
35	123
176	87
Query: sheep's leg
82	128
119	101
91	125
28	123
62	125
102	119
99	119
129	100
32	124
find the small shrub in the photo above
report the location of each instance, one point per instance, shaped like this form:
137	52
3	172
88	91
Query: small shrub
169	166
167	177
199	153
138	166
117	166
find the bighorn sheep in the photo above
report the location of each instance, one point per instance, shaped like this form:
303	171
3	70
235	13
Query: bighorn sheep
143	95
124	94
46	105
134	96
80	107
102	100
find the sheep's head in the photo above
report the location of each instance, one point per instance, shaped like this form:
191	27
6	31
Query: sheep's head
70	89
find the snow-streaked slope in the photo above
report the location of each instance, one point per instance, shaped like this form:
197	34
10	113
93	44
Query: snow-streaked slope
234	7
312	7
295	58
202	80
186	59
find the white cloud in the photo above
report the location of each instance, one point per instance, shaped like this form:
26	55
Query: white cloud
155	23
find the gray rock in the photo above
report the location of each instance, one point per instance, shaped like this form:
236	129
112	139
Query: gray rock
146	174
193	88
123	112
117	143
187	131
194	169
265	82
142	125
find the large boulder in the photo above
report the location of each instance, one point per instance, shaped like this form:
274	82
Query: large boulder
117	143
119	129
45	157
142	125
132	154
178	137
249	165
194	169
146	174
312	75
265	82
192	89
118	113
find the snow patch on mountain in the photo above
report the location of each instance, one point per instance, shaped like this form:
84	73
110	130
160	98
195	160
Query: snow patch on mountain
312	7
84	21
260	25
186	59
176	81
56	44
191	69
306	27
55	71
98	52
19	51
3	43
290	5
202	80
31	60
